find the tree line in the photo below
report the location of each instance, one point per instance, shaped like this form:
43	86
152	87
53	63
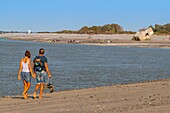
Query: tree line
108	29
105	29
161	29
117	29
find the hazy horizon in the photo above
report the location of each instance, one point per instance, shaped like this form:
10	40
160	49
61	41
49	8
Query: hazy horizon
56	15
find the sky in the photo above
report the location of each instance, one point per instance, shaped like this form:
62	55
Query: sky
56	15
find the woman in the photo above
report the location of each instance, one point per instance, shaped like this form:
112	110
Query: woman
25	72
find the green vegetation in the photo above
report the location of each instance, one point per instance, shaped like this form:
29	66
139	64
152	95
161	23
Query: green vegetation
161	29
105	29
68	32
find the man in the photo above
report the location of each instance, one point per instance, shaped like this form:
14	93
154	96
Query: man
41	69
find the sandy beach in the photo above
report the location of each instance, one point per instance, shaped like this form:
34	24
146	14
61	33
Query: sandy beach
146	97
101	40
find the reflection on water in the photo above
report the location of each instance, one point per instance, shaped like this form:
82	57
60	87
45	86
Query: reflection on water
83	66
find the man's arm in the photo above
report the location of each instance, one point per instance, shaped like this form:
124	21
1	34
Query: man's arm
47	69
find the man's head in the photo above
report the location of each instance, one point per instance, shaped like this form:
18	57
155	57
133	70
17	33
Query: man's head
41	51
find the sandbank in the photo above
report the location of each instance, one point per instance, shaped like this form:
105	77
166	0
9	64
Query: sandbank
100	40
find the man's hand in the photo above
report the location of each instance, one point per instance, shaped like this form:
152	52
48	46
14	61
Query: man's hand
49	76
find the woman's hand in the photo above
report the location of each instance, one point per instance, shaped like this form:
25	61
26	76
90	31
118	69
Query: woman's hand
19	77
34	75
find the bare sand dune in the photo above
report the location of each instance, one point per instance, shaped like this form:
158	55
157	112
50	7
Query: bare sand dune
148	97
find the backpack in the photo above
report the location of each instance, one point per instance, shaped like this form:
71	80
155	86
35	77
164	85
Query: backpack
38	64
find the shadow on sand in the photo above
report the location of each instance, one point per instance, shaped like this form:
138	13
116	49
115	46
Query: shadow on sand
18	97
29	97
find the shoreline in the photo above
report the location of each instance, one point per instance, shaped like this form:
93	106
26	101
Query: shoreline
47	92
97	40
144	97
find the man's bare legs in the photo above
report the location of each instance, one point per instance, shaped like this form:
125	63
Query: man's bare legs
41	90
35	91
41	86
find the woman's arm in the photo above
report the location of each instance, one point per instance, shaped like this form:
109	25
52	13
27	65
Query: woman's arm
31	68
20	69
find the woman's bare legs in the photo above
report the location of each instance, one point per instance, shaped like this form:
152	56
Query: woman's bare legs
26	88
35	91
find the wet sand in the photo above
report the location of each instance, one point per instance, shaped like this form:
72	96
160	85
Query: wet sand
148	97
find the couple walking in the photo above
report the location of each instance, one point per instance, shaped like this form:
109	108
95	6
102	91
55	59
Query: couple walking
38	70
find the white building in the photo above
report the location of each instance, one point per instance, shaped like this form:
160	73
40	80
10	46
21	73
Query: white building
29	31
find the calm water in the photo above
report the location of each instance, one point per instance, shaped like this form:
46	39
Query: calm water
83	66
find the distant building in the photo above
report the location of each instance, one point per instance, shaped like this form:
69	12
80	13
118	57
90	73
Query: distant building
29	31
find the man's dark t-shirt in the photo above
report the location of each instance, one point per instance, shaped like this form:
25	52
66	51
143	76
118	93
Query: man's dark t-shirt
39	63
